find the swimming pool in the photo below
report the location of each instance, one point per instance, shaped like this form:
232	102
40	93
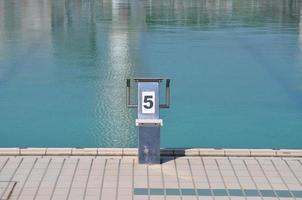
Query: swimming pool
236	67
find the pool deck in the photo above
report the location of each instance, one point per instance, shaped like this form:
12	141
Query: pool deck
62	173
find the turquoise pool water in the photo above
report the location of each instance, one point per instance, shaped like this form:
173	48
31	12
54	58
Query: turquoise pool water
236	67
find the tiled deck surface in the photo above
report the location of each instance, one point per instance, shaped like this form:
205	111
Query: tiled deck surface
101	177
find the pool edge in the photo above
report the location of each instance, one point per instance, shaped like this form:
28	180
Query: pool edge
30	151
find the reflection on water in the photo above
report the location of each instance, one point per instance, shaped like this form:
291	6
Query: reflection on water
103	57
234	64
113	118
300	29
223	13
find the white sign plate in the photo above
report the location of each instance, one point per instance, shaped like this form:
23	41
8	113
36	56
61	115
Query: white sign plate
148	102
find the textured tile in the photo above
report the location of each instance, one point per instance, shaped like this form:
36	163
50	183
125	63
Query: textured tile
100	175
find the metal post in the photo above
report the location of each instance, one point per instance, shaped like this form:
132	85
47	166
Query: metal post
148	120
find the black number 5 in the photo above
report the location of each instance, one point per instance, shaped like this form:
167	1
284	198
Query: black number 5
148	99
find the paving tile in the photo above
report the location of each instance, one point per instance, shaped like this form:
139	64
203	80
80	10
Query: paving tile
140	172
59	197
205	198
26	197
6	189
217	185
170	191
275	180
219	192
232	185
28	191
286	198
110	182
70	174
264	186
125	181
189	197
9	169
61	191
235	192
215	179
75	196
294	187
138	197
122	197
157	197
45	191
186	184
195	161
155	182
77	191
237	198
220	198
267	193
283	193
125	191
92	197
171	184
202	185
297	194
108	193
93	191
156	191
43	197
142	182
188	192
154	171
251	192
127	172
173	198
140	191
204	192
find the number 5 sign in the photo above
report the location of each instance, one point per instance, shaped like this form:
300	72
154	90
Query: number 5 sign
148	103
